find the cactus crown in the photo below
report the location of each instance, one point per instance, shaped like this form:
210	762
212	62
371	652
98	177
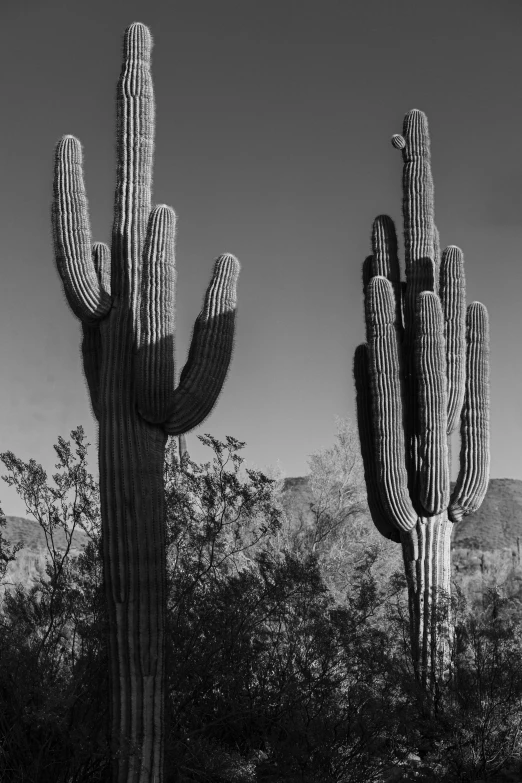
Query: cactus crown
425	363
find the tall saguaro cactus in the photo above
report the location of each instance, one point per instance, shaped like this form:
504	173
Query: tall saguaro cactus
425	363
124	298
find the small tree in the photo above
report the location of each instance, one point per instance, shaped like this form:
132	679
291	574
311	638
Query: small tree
53	660
268	679
337	526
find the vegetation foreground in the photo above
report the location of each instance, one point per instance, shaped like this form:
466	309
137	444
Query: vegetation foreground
288	652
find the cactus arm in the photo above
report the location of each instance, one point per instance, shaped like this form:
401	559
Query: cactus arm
388	424
364	423
72	236
386	259
384	262
472	482
430	361
453	300
210	351
384	248
418	210
154	366
92	342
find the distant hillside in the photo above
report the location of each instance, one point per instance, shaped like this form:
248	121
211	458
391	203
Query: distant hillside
485	547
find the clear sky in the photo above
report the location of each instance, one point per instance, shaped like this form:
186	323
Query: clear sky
274	120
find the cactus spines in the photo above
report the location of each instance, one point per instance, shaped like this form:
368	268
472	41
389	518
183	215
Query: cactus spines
426	555
386	260
125	301
384	247
424	366
72	236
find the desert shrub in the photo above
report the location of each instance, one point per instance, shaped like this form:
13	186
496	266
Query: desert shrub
276	669
469	727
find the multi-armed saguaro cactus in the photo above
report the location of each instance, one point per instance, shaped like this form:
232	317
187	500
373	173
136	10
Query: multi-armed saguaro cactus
424	364
124	299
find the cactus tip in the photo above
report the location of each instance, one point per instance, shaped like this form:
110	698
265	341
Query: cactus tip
228	258
415	132
164	209
70	141
137	42
384	220
70	147
479	309
426	296
415	118
138	29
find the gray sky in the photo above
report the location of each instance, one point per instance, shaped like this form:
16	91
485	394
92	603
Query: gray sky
274	120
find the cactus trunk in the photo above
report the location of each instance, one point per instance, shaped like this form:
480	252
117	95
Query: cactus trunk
426	555
131	458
